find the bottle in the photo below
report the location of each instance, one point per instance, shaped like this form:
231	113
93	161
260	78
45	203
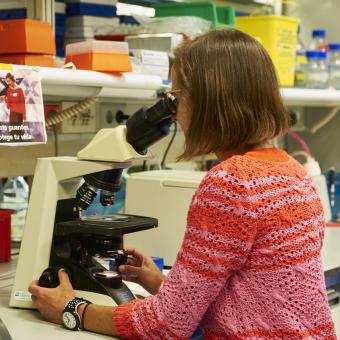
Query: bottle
313	169
14	195
300	63
318	42
317	70
334	66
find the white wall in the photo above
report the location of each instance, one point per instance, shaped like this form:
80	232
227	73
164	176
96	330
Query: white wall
319	14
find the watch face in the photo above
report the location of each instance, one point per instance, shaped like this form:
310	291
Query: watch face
69	320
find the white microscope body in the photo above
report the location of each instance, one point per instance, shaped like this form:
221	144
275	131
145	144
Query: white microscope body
55	179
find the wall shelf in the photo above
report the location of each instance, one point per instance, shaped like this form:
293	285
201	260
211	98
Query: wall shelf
67	83
310	98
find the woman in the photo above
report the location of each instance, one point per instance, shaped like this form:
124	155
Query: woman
15	101
249	266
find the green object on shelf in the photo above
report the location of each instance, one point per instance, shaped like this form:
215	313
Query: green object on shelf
226	14
220	16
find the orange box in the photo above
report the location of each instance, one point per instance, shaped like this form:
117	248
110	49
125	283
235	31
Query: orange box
28	59
101	61
26	36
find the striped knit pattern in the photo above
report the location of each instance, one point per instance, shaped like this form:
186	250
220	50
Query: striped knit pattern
249	266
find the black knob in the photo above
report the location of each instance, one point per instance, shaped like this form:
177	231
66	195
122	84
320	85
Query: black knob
121	116
49	277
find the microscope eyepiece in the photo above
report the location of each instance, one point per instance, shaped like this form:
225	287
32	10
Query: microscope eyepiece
148	125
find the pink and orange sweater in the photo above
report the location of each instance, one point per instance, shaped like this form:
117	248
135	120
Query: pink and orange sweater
249	266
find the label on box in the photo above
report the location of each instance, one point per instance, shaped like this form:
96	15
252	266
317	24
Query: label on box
22	119
151	62
21	295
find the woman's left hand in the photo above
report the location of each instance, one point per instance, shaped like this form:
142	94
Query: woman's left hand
51	301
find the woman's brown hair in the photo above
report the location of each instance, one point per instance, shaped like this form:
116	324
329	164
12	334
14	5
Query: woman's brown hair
231	85
10	76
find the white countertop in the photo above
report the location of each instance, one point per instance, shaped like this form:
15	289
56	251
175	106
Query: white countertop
25	324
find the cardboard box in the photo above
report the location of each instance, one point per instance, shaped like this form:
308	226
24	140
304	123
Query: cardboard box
26	36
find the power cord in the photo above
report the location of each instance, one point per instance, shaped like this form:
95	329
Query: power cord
169	145
70	112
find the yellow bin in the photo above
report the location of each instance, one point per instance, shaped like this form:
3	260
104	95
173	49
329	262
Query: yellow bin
278	35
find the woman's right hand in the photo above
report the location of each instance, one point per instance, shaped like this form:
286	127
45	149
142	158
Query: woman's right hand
142	270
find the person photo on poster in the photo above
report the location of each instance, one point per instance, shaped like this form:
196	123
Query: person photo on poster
15	101
21	107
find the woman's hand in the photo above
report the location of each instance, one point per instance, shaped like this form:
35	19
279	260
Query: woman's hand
51	301
142	270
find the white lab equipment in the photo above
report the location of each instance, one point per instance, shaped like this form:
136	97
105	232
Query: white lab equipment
56	235
165	195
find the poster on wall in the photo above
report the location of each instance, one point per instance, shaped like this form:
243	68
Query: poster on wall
22	119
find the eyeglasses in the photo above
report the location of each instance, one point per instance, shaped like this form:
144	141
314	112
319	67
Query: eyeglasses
170	99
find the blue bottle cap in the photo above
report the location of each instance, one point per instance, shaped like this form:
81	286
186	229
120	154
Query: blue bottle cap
319	33
334	47
322	54
312	54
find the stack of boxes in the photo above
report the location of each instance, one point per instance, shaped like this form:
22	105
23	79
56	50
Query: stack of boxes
60	22
21	42
84	17
12	9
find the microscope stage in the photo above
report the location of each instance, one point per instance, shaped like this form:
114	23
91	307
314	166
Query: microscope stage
109	225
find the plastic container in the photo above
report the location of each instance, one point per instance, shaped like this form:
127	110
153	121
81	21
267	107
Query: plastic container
278	35
219	16
5	234
300	63
318	42
14	196
333	183
334	66
317	70
99	55
313	169
28	59
26	36
75	9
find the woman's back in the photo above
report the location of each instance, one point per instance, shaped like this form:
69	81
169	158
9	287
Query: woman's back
267	220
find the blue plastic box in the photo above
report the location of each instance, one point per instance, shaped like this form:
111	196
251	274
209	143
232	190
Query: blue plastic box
90	9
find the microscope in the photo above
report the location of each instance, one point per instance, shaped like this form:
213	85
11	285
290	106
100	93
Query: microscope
56	233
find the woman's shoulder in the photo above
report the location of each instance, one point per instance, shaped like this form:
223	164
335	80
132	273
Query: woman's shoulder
241	170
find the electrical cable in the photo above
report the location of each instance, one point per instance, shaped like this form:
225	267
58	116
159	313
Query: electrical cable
300	153
71	111
302	143
144	165
323	121
56	144
169	145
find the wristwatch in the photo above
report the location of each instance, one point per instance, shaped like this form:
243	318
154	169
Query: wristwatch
70	316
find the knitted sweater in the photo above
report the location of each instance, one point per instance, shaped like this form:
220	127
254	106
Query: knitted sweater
249	266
